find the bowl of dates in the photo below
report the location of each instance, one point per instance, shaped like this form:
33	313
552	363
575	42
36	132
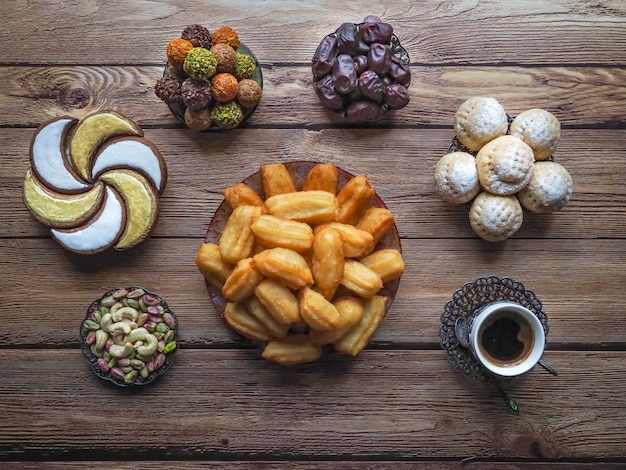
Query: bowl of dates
361	71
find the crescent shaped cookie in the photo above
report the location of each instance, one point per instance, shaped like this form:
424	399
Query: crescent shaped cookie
505	165
95	182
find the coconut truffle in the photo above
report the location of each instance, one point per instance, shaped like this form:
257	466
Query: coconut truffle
245	67
224	87
227	115
195	94
226	57
198	120
495	218
198	35
249	93
479	120
505	165
200	64
177	51
456	178
225	34
168	89
540	129
549	189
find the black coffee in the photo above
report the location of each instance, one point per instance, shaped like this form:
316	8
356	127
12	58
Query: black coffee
507	339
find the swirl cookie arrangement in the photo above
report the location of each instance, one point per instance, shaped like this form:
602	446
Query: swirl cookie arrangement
502	168
212	81
95	182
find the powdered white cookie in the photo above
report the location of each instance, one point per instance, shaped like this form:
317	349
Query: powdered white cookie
495	218
456	178
540	129
549	189
479	120
505	165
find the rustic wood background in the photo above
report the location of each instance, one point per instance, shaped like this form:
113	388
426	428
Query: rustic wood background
398	404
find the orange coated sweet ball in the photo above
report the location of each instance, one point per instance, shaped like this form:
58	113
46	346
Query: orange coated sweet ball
177	50
224	87
227	35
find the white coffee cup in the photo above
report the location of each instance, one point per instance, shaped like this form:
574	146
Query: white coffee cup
507	338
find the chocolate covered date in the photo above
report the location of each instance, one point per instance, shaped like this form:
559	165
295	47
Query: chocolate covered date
371	86
400	71
396	96
379	58
376	32
324	56
344	74
363	111
325	89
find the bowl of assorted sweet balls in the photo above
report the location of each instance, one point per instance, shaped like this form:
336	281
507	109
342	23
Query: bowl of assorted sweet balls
361	71
211	80
500	165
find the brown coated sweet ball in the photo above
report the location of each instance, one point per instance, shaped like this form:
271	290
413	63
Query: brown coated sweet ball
249	93
226	57
224	87
198	120
198	35
227	35
177	50
196	94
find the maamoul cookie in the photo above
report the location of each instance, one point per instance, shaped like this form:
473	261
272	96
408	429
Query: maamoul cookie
94	182
456	178
479	120
549	189
540	129
505	165
495	218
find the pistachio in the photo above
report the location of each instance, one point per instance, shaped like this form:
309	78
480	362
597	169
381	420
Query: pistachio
157	310
120	293
162	328
160	345
136	293
126	369
144	373
123	362
130	377
108	301
150	325
169	347
150	299
132	303
91	325
150	366
142	318
155	318
96	316
112	362
119	351
142	305
103	365
104	311
159	360
169	336
169	320
91	338
137	364
144	358
106	356
117	373
101	339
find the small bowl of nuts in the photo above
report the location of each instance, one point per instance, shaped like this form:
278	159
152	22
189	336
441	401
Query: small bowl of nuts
361	71
129	336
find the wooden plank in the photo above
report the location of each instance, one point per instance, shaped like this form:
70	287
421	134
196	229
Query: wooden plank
201	165
579	96
226	403
494	32
577	281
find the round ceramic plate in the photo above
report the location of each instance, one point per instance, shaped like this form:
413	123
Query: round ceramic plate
298	171
178	109
159	362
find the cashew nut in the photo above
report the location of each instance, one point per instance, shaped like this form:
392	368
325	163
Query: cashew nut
115	307
106	322
119	351
150	348
125	312
138	334
119	327
101	339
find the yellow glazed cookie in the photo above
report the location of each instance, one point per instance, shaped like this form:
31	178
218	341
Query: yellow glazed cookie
505	165
549	189
540	129
456	178
479	120
495	218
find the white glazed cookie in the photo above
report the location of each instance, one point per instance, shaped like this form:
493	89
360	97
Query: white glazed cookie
495	218
549	189
540	129
456	178
505	165
94	182
479	120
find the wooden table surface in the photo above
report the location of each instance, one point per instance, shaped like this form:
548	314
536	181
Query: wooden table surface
399	404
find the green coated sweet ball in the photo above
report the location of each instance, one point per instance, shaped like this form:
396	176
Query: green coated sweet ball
200	64
245	67
227	115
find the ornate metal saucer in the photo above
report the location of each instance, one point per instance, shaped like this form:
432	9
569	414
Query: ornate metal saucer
458	313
